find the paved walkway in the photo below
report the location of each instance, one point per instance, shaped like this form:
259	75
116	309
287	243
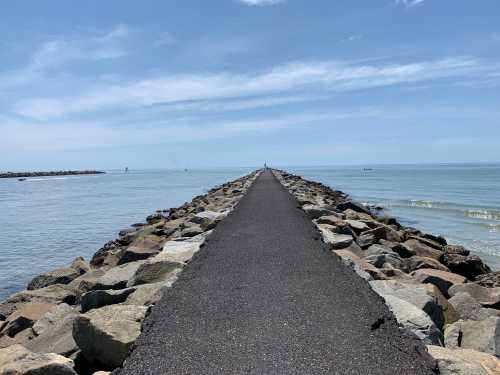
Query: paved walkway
265	297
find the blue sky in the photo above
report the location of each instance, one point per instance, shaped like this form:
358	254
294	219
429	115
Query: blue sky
197	83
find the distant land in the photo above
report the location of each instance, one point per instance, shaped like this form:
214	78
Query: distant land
45	174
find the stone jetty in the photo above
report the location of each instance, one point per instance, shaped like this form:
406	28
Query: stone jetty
269	273
46	174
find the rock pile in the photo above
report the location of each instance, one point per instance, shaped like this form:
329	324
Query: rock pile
84	318
445	296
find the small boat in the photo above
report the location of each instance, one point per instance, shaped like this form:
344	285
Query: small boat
21	179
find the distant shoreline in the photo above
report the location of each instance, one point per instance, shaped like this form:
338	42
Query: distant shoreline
46	174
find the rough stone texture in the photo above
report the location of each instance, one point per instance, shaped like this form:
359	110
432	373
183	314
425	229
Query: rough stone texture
379	250
22	338
117	277
336	241
384	260
357	226
52	318
107	334
490	280
100	298
57	276
330	220
469	309
456	249
346	254
401	249
142	248
24	318
52	294
316	212
416	294
415	320
80	265
154	271
416	263
483	335
464	361
87	281
17	360
442	279
147	294
468	266
488	297
423	250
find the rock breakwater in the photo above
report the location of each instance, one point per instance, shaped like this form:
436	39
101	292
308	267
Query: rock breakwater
46	174
84	318
447	297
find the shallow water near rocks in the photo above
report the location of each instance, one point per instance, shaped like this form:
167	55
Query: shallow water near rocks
458	201
47	222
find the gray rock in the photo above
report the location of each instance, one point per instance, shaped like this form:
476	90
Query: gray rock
442	279
415	320
416	294
148	294
416	263
379	250
482	335
336	241
57	276
17	360
383	260
107	334
401	249
99	298
468	266
488	297
357	226
469	309
464	361
117	277
315	212
422	249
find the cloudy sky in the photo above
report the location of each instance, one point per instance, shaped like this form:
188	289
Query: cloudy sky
197	83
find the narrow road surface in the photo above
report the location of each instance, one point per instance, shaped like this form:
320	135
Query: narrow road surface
264	296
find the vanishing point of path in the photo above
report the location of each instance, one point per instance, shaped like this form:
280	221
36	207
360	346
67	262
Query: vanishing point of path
264	296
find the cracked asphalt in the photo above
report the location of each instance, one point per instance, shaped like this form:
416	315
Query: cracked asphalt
265	296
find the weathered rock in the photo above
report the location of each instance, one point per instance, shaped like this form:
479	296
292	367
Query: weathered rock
482	335
467	266
423	250
331	220
54	332
490	280
57	276
383	260
155	270
449	312
416	294
415	320
107	334
378	250
148	294
366	240
442	279
336	241
141	248
22	338
315	212
24	318
80	265
99	298
353	215
87	281
401	249
106	255
357	226
426	240
469	309
488	297
346	254
357	266
53	294
349	205
416	263
464	361
17	360
192	231
456	249
116	277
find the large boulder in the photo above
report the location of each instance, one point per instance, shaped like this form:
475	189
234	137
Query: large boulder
488	297
54	332
336	241
423	250
99	298
147	294
87	281
357	226
401	249
106	335
17	360
416	263
350	205
53	294
80	265
416	294
24	318
482	335
467	266
464	361
57	276
385	260
442	279
142	248
490	280
315	212
456	249
116	277
331	220
415	320
469	309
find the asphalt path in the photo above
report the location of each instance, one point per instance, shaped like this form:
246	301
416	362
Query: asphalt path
265	296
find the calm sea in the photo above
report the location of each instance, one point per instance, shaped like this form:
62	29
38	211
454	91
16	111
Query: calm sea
47	222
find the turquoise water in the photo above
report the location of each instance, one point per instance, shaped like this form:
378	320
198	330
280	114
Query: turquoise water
458	201
47	222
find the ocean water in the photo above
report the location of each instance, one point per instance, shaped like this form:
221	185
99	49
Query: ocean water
458	201
46	222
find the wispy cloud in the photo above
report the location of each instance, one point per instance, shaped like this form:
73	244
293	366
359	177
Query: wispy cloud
320	76
409	3
262	2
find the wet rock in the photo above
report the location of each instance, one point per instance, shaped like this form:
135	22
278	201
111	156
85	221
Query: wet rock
442	279
106	335
488	297
423	250
467	266
416	263
415	320
24	318
100	298
57	276
464	361
106	255
469	309
17	360
456	249
482	335
154	218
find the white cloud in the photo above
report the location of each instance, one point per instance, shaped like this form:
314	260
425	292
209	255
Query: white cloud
410	3
262	2
288	78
